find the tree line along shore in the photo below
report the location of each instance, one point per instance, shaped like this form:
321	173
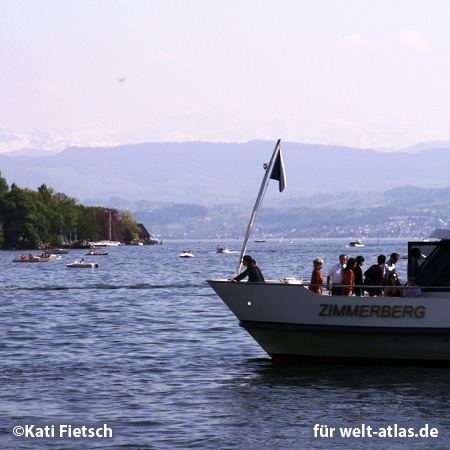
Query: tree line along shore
44	218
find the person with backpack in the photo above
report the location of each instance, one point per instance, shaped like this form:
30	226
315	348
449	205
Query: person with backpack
374	276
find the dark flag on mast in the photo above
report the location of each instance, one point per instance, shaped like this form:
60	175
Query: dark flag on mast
274	171
278	172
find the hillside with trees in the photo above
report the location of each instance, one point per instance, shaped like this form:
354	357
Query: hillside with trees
44	218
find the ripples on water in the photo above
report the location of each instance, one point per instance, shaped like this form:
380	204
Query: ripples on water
144	345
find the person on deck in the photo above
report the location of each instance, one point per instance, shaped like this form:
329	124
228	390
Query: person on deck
348	278
389	267
317	277
411	289
415	256
335	275
252	272
393	287
359	292
374	276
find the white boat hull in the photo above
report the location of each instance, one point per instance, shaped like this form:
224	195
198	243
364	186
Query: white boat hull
83	265
292	323
106	244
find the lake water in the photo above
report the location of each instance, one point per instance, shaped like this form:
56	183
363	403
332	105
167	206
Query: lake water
144	345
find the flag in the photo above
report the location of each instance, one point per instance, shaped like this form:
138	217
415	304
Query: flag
278	172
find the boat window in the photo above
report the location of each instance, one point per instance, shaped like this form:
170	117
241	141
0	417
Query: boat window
430	263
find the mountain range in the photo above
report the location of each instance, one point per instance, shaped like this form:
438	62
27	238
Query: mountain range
212	173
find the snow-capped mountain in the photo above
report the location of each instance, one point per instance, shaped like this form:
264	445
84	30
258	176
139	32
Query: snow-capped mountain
38	143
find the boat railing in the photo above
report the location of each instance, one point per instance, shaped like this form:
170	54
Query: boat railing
366	287
376	286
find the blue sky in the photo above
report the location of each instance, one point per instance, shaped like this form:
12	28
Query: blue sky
360	73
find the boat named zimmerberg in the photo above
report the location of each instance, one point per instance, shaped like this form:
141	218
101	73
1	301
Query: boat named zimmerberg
291	322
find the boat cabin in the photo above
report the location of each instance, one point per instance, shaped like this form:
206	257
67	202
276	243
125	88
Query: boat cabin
429	262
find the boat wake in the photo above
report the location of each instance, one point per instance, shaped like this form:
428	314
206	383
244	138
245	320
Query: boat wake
143	286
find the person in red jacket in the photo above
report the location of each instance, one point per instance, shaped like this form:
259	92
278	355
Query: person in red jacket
348	279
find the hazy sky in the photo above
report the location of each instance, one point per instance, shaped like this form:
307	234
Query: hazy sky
361	73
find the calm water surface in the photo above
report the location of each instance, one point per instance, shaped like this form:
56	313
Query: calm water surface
144	345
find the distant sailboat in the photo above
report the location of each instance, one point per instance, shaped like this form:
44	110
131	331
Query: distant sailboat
63	238
109	242
260	236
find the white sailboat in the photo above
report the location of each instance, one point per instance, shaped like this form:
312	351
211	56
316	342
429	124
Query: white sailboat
107	242
260	236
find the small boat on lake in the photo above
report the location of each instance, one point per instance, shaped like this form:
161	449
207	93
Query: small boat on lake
96	253
222	249
57	251
106	244
34	259
82	264
51	257
356	243
260	239
188	254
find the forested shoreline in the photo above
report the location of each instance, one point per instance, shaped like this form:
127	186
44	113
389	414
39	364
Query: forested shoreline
44	218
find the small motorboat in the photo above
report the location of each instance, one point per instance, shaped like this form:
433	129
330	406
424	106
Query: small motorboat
188	254
106	244
58	251
80	263
51	256
96	253
356	243
222	249
33	259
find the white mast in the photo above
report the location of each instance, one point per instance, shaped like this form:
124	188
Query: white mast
109	226
260	197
